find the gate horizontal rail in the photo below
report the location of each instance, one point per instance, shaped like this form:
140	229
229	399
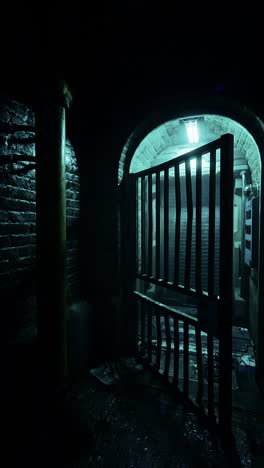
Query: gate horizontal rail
184	229
160	347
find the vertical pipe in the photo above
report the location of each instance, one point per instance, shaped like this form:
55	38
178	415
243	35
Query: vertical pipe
150	227
143	227
176	343
210	367
186	359
51	231
166	224
168	345
177	223
157	225
149	318
143	325
211	230
138	325
211	280
199	366
198	243
138	259
159	337
226	284
189	224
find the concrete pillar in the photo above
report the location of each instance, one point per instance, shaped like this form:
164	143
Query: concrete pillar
51	230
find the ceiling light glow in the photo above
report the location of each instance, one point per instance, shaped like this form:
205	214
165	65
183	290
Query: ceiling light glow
192	131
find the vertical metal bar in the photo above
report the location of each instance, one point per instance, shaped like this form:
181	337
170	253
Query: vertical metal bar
189	223
210	369
149	317
150	228
157	225
138	324
199	361
186	359
137	227
211	230
198	243
166	224
159	337
226	284
244	281
143	226
176	343
143	331
168	345
177	223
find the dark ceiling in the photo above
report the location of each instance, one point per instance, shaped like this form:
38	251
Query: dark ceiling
121	58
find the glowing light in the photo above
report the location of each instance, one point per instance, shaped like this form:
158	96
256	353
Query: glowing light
192	131
193	163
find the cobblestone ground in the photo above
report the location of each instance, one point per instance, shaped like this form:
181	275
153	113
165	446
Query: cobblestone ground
133	423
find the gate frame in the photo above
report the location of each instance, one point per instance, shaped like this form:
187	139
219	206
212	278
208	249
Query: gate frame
224	309
176	108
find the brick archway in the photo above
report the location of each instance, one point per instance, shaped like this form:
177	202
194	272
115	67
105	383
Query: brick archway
158	131
156	128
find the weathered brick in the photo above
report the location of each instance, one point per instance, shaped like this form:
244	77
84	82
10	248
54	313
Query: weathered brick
73	276
122	158
4	217
23	239
18	217
15	252
5	241
72	195
21	275
70	219
22	194
4	191
27	149
72	177
15	205
17	202
26	261
71	251
22	182
15	228
73	204
72	212
70	185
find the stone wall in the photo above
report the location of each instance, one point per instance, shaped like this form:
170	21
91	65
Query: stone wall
18	219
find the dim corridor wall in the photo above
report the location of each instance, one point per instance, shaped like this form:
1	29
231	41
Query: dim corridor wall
18	218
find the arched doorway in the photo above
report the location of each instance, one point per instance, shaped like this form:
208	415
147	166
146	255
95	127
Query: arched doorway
155	143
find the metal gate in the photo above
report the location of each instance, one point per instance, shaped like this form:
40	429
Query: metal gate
180	231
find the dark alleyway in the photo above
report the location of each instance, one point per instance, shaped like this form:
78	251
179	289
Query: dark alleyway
127	68
133	423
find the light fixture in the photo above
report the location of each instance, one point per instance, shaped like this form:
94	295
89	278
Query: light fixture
192	131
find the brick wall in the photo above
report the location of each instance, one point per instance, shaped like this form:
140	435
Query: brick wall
18	218
73	213
173	133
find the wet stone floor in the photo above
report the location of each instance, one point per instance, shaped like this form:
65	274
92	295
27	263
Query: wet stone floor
132	423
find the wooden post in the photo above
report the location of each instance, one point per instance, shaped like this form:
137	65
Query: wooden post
51	230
